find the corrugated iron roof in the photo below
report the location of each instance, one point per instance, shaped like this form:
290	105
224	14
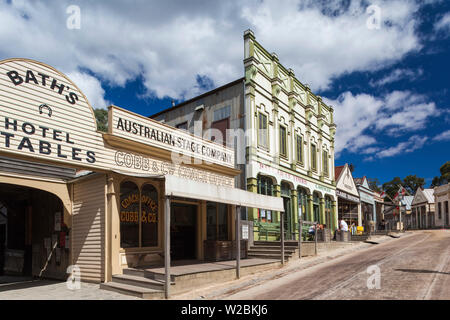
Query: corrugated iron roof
429	194
337	171
407	201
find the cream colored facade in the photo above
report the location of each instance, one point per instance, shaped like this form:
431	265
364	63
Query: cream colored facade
273	92
46	127
442	206
423	209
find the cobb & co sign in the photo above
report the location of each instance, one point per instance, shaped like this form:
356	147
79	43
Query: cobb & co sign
44	116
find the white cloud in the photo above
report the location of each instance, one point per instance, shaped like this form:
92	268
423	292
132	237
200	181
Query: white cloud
443	24
91	87
170	43
396	113
397	75
413	143
444	136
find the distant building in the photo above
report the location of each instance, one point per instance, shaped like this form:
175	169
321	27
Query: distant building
366	196
406	211
423	208
442	196
349	204
379	209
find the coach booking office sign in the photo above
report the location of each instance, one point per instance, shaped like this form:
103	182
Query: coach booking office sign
44	116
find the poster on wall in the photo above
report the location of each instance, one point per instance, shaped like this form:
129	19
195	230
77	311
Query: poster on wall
245	232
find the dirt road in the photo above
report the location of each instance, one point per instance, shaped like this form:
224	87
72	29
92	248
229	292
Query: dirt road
413	267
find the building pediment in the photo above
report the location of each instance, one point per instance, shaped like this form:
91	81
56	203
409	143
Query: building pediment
419	197
346	183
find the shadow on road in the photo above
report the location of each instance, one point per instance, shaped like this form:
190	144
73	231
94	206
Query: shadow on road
421	271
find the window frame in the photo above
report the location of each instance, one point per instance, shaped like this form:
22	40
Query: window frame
325	163
285	154
313	157
140	187
178	126
267	183
299	148
259	135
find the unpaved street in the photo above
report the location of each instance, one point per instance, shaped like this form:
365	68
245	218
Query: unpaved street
412	267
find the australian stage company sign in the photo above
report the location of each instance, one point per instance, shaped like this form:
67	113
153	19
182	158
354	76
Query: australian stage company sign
150	132
44	116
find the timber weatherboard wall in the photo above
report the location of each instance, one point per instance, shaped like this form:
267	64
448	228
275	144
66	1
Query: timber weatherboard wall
88	227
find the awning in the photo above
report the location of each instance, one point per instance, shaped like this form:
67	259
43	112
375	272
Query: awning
181	187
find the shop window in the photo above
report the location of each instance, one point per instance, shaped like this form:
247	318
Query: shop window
265	187
303	203
138	216
283	141
299	149
316	205
262	130
216	221
149	217
129	215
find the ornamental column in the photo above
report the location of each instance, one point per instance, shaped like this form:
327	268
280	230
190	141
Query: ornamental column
294	200
310	207
252	186
334	216
322	218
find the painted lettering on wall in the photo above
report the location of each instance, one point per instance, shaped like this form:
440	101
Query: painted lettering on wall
172	140
50	140
42	80
129	160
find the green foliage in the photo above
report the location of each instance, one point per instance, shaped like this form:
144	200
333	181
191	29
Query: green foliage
391	187
445	175
101	115
412	183
374	184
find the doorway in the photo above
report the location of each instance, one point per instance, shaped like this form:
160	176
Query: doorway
30	233
183	231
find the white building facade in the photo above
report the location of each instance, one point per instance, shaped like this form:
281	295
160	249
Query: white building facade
442	196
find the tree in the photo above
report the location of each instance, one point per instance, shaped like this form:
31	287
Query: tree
374	184
391	187
445	175
101	115
412	183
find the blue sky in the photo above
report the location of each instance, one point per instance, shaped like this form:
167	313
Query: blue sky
387	84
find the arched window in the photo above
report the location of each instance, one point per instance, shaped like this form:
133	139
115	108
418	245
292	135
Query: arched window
138	215
316	206
303	203
129	215
149	207
265	187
